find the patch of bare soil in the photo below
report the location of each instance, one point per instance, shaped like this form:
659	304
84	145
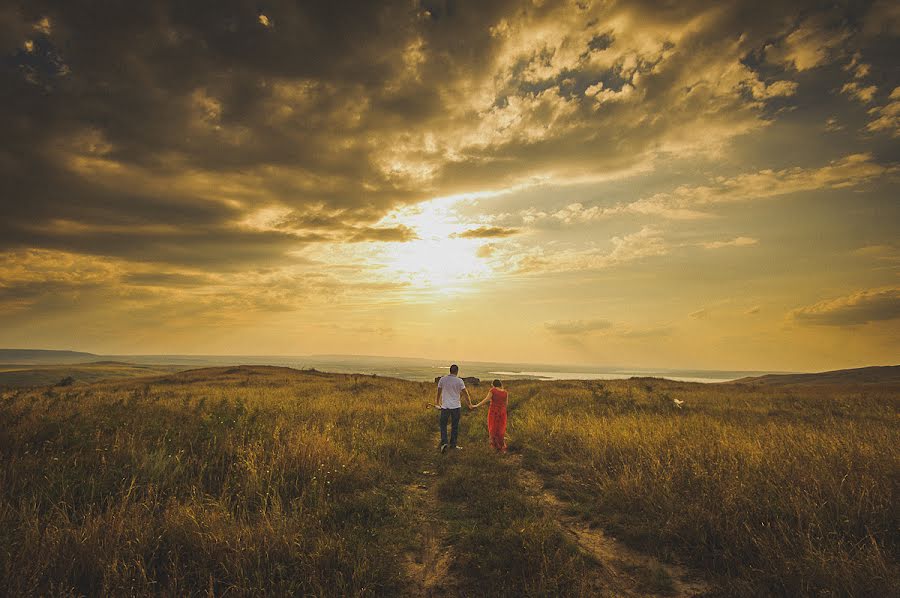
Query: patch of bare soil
623	571
428	567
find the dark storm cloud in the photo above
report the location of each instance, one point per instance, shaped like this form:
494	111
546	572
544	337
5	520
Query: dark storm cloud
181	120
170	88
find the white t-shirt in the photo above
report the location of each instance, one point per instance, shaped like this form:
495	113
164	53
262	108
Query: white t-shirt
450	386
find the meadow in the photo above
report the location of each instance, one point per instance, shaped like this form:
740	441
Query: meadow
262	480
18	376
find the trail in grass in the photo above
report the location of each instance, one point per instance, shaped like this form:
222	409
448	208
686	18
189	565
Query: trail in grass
483	524
623	571
427	565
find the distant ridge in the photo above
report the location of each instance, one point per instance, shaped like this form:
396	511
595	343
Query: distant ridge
43	357
887	374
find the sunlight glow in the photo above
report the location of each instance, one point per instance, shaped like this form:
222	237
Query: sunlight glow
439	257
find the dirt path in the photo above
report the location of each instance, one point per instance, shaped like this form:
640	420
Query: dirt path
428	566
624	571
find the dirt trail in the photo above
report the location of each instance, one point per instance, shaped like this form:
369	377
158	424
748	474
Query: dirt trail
625	572
428	567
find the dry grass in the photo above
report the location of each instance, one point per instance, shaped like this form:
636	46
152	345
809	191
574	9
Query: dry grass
267	480
244	480
780	491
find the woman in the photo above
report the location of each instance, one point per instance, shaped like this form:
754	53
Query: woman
496	419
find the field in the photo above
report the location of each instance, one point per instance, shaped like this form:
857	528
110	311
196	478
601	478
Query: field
251	480
15	376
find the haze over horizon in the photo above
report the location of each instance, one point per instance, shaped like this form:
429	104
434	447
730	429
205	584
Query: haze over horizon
666	186
324	360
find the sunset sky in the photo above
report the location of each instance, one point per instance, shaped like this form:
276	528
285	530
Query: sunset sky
657	184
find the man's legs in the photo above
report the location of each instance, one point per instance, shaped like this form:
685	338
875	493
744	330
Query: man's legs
445	415
454	424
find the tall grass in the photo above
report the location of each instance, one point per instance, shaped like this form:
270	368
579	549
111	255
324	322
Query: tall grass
267	480
789	492
218	481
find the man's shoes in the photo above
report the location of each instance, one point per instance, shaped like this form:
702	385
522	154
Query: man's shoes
443	448
459	448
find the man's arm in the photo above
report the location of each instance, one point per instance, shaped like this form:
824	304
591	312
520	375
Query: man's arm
468	398
437	398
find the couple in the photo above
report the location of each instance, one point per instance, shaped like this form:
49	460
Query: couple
448	401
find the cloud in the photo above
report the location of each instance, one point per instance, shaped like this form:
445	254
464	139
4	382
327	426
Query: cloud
753	310
645	243
700	314
43	26
485	251
400	234
642	333
883	252
112	293
576	213
857	67
326	112
861	93
214	164
736	242
833	124
813	43
488	232
862	307
767	91
887	117
169	279
576	327
690	202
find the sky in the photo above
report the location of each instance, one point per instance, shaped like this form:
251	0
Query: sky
680	184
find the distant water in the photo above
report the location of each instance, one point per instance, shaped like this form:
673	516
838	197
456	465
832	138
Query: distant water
712	377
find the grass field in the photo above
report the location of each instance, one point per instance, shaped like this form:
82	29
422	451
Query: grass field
250	480
18	376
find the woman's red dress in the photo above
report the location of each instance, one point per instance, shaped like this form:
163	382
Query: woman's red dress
497	418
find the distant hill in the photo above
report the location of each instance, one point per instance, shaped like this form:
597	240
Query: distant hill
41	375
888	374
43	357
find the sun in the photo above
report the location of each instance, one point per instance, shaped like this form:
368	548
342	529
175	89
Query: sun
440	260
436	262
439	257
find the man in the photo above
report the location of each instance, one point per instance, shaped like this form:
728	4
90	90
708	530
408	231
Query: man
447	400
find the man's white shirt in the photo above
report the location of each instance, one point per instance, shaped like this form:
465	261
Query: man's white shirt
450	385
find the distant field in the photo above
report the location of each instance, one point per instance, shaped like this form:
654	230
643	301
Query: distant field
44	375
878	375
45	357
247	480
